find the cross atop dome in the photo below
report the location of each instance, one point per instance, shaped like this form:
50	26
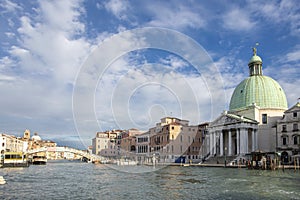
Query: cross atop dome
254	49
255	63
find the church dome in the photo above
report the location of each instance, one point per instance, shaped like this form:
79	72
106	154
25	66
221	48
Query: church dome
264	91
257	89
254	59
36	137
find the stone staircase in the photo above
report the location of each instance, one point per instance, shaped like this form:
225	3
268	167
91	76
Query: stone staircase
219	159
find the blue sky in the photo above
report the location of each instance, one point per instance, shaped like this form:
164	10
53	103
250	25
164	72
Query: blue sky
46	44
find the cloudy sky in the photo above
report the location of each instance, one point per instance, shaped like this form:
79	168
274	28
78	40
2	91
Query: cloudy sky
71	68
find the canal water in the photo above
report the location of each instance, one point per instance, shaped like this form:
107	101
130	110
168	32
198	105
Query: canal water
89	181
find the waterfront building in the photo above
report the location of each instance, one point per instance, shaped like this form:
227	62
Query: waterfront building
288	134
174	140
107	143
250	124
115	143
128	143
10	143
143	148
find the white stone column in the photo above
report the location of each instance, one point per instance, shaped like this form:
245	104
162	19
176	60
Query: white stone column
253	139
255	135
246	141
229	143
243	141
221	144
211	143
214	143
238	141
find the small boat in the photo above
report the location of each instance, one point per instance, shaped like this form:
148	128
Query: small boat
128	162
39	160
2	180
14	159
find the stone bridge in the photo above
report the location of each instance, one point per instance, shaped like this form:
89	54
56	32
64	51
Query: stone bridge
85	154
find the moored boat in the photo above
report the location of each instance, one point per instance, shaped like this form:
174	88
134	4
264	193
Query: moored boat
2	180
39	160
14	159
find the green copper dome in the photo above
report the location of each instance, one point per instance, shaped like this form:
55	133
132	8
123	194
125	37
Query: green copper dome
261	90
254	59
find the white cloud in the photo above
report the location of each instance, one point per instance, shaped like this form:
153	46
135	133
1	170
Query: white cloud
6	78
293	56
10	34
63	15
174	62
10	6
237	19
179	17
6	62
49	39
117	8
130	94
283	12
37	75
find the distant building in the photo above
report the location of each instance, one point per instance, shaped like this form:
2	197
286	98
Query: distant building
171	140
143	148
10	143
36	142
128	143
107	143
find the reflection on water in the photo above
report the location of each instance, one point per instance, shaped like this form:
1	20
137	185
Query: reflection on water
88	181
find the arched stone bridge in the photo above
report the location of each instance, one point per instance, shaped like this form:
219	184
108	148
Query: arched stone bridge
85	154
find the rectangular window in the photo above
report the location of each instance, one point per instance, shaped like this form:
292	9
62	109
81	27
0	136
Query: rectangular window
283	128
264	118
295	114
295	127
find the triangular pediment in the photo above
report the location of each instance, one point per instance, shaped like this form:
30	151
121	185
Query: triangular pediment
228	119
223	120
293	108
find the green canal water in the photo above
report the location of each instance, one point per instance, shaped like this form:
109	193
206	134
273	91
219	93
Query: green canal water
89	181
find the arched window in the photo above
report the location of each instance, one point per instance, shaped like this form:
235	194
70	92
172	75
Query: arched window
285	140
296	139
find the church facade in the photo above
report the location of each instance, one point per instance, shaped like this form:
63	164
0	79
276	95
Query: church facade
256	105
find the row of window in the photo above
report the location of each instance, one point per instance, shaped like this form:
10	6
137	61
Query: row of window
285	140
284	127
188	156
142	149
160	139
142	139
265	117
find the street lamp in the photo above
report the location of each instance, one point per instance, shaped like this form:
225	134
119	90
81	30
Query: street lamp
225	156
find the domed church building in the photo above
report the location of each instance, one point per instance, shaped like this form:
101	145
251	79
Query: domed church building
250	124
